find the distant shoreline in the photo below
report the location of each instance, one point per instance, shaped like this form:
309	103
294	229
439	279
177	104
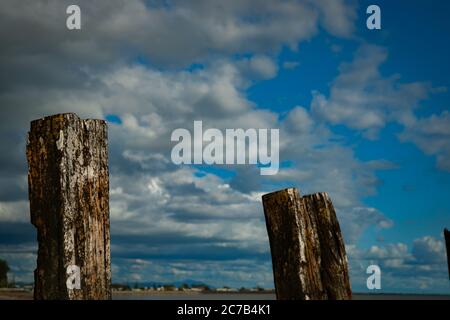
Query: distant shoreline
18	294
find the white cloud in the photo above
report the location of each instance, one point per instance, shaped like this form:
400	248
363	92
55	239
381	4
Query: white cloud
14	211
421	268
363	99
158	209
429	250
336	17
258	67
204	216
177	33
432	136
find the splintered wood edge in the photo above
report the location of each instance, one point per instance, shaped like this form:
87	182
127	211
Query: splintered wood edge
318	196
292	191
63	116
289	191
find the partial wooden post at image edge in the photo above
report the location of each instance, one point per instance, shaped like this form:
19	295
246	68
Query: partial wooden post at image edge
69	192
447	245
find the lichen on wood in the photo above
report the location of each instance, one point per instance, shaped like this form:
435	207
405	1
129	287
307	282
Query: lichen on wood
69	193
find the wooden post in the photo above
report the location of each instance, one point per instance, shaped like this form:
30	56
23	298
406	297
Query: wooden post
308	253
68	191
447	245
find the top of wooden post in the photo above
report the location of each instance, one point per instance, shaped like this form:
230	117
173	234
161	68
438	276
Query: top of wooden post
61	117
292	191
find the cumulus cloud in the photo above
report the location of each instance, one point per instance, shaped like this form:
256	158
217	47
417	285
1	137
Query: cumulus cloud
365	100
170	34
161	211
14	211
259	67
429	250
432	135
420	267
158	67
357	219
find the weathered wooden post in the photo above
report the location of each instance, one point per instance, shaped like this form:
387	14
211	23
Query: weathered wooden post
308	253
447	245
68	191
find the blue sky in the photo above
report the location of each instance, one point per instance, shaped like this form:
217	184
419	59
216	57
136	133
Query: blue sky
363	115
414	36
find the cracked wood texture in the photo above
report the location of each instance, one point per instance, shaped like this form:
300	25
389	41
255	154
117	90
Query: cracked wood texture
68	191
447	245
308	253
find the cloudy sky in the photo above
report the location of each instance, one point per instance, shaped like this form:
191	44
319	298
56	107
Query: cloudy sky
363	115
